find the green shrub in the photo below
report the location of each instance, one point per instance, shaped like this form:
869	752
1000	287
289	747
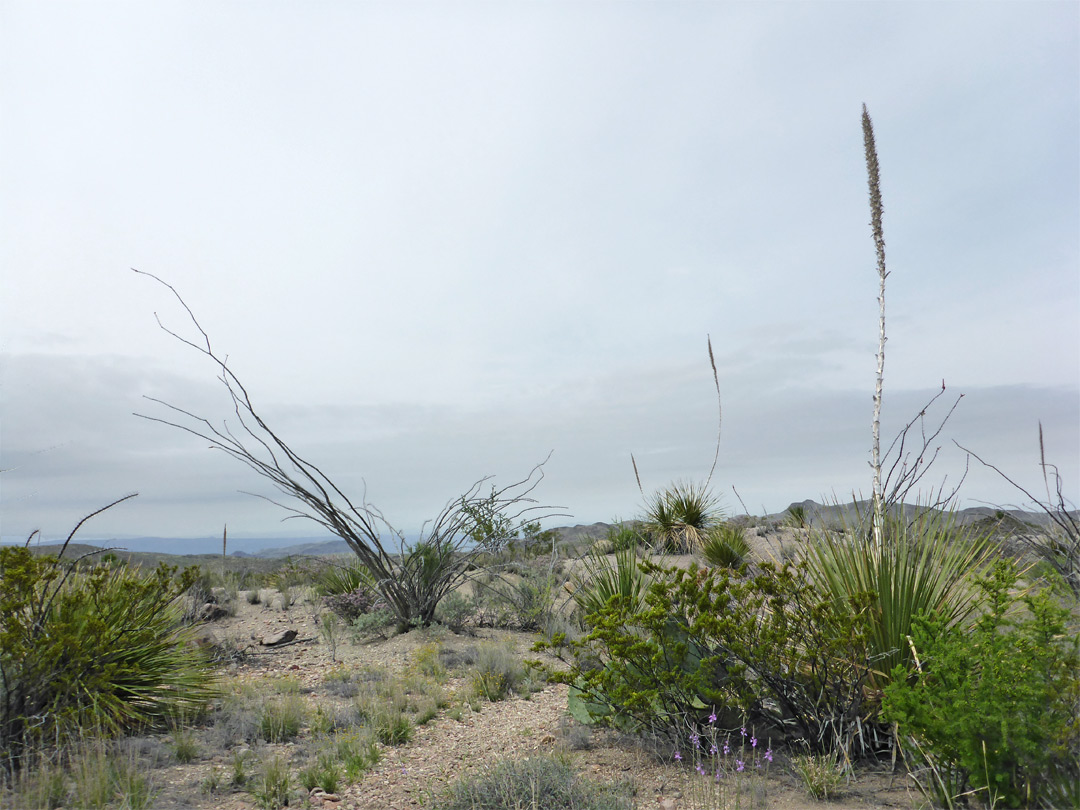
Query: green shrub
93	648
456	611
525	602
704	641
726	546
537	783
376	623
993	708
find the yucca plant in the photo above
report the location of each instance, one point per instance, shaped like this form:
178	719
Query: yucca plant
925	565
726	546
99	648
679	517
604	578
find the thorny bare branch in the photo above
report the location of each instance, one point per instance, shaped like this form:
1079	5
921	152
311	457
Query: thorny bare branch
1061	548
910	466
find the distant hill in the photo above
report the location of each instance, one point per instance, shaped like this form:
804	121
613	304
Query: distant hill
206	549
836	516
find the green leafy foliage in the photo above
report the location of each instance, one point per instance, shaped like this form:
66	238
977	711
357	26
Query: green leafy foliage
764	647
98	648
993	708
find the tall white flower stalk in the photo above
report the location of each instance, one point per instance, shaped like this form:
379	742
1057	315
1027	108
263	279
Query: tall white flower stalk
874	178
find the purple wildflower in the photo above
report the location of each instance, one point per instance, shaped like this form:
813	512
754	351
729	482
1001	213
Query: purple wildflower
739	765
753	742
694	739
678	757
743	731
712	718
727	748
768	755
700	770
712	750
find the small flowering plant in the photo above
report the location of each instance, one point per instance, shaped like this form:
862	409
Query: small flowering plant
725	768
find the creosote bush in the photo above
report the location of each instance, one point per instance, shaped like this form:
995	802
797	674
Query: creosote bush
765	647
992	709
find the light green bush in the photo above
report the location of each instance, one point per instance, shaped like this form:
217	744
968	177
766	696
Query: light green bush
992	709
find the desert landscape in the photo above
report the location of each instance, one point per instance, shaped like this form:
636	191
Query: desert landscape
315	701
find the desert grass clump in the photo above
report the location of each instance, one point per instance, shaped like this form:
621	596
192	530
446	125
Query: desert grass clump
383	706
324	773
273	786
498	673
184	746
821	775
537	783
357	752
281	719
101	776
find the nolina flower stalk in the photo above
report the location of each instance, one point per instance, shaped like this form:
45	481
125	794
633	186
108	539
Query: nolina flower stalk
874	178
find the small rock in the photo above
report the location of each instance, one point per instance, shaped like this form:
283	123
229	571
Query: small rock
211	612
278	638
666	804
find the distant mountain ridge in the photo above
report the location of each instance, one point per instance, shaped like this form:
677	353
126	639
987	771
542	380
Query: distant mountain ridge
816	514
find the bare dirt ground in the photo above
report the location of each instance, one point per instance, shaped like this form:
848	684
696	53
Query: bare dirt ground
456	743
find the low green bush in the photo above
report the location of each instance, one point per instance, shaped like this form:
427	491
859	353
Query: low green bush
705	642
992	709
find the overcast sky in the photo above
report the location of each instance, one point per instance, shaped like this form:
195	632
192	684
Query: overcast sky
438	241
